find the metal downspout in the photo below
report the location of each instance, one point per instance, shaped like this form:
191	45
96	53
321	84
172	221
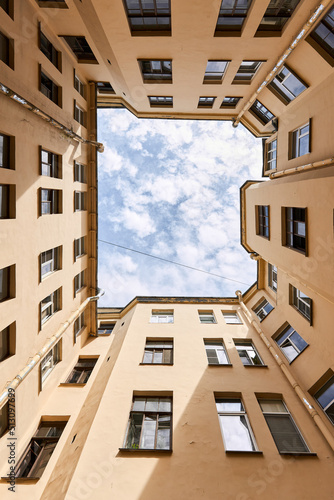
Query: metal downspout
303	168
300	393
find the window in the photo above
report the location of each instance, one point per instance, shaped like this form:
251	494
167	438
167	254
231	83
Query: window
150	423
275	17
50	89
81	49
287	85
50	261
79	114
38	453
7	201
271	155
263	309
49	50
261	112
82	371
206	102
79	282
56	4
158	101
162	317
51	201
7	281
50	305
106	328
247	352
322	37
5	150
230	102
282	427
231	318
80	201
246	71
79	324
262	220
215	71
295	228
290	343
80	173
216	353
104	88
79	85
299	141
234	425
158	352
149	18
156	71
325	398
207	317
4	343
6	50
232	15
79	247
50	164
49	361
301	302
272	277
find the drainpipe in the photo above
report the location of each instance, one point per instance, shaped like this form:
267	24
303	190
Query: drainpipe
303	168
301	36
300	393
49	344
31	107
255	256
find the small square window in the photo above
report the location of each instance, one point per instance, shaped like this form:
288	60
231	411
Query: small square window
104	88
321	38
206	102
160	101
290	343
231	318
215	71
301	302
286	85
263	309
216	352
50	201
246	72
162	316
158	352
299	141
261	112
232	14
207	317
82	371
106	328
81	49
275	17
230	102
247	353
156	71
149	18
262	220
294	230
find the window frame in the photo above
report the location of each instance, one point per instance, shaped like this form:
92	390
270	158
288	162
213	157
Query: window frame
206	101
152	76
270	156
277	338
54	262
106	328
7	159
79	85
202	315
84	371
262	220
54	203
147	413
51	304
167	346
79	114
156	29
281	90
232	104
295	138
80	201
239	79
215	77
6	50
318	42
260	309
247	346
299	304
326	382
270	30
161	101
162	314
76	43
7	283
287	416
54	93
49	50
79	325
54	356
272	270
217	345
301	245
7	201
79	172
79	282
235	413
227	314
231	29
79	247
54	163
261	112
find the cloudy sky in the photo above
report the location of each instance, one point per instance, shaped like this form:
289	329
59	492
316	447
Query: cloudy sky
171	189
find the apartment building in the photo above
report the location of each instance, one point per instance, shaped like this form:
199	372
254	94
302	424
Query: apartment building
165	396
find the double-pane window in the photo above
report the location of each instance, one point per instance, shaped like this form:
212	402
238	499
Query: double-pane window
262	219
50	261
206	102
50	89
230	102
272	277
49	51
277	14
80	173
263	309
290	343
247	352
325	398
158	352
261	112
79	324
232	14
295	225
50	201
156	70
271	155
82	371
157	101
79	282
301	302
162	317
50	305
49	361
234	424
207	317
246	71
216	353
300	141
231	318
215	71
147	16
150	424
79	85
80	201
79	247
79	114
287	85
323	34
50	164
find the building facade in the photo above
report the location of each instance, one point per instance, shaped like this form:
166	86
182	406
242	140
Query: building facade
165	396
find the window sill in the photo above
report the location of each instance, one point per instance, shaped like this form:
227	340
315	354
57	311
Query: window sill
256	366
142	450
219	364
69	384
298	453
246	452
156	364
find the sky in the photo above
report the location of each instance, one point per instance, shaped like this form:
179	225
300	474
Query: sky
171	188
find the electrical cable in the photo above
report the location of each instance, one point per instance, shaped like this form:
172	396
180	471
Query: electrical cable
172	262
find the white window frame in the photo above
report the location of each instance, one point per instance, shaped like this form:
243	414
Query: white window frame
220	350
261	309
50	304
232	318
79	324
290	341
79	247
248	348
271	155
80	172
272	271
79	282
203	315
161	316
222	414
296	137
80	201
299	303
328	384
52	264
52	358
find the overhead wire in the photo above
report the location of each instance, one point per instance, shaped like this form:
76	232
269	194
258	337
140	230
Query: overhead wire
172	262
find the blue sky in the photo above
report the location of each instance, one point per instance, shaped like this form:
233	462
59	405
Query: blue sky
171	188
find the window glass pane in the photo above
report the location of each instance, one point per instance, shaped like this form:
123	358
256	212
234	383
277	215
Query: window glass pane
152	404
272	406
148	432
236	433
165	404
139	404
163	435
229	405
326	394
134	431
285	434
157	357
